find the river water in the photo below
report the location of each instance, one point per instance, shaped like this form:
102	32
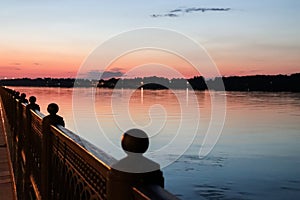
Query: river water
257	155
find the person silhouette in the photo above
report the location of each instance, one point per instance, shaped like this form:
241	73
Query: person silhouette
52	118
134	169
23	98
17	95
135	143
32	105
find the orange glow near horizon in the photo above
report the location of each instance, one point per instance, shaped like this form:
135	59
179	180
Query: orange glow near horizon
136	64
153	63
34	65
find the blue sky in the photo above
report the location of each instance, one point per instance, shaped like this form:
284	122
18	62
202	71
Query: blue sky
257	36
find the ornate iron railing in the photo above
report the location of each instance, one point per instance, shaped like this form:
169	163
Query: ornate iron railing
61	165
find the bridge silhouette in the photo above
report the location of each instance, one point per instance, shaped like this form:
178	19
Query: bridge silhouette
51	162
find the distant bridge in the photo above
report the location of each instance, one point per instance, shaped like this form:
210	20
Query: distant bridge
58	165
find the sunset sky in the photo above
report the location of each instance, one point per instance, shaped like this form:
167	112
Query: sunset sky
53	38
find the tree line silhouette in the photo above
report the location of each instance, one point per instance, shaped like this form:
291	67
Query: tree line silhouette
272	83
49	82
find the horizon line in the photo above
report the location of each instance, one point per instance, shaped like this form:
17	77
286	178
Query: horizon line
86	78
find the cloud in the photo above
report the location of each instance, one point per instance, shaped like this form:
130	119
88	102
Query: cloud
250	71
16	63
255	70
179	12
117	69
110	74
165	15
97	74
12	68
37	64
189	10
176	10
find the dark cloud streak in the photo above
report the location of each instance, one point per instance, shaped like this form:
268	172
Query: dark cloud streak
165	15
16	64
188	10
12	68
96	74
178	12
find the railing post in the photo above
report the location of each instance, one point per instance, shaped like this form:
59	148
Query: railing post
45	162
28	161
18	149
133	170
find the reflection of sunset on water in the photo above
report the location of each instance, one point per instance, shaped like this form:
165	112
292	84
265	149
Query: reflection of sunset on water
260	128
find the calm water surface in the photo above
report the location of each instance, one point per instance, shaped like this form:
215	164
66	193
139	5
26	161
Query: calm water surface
256	157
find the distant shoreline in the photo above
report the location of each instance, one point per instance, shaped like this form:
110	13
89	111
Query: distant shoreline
265	83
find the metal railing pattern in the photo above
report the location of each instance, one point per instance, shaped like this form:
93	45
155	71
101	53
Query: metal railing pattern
59	164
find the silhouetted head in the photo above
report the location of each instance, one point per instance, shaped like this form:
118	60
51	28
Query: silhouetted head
32	99
52	108
135	141
17	93
23	96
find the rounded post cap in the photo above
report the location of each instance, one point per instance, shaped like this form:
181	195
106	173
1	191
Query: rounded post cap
23	95
135	141
32	99
52	108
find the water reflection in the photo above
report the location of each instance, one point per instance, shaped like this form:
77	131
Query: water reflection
142	96
257	156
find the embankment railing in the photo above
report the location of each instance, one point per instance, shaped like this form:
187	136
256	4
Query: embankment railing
61	165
